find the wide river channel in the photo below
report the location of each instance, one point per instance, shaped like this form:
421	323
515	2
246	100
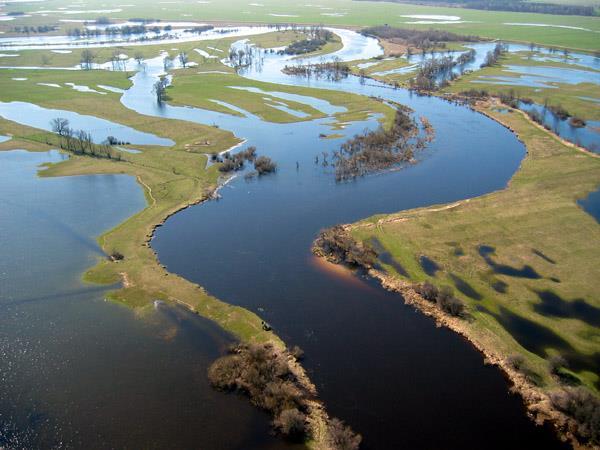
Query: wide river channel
81	372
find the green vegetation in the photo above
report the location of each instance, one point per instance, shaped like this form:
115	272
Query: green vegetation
535	228
489	24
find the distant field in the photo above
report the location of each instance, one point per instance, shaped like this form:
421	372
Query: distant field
490	24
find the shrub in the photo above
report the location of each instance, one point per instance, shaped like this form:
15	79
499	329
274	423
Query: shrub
584	407
264	165
116	256
448	303
291	423
427	290
556	363
336	244
341	437
577	122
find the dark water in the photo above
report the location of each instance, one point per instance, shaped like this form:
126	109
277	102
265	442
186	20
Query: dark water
79	372
591	204
381	366
89	374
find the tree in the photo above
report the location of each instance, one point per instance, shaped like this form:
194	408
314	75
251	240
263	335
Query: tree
167	63
59	125
183	59
139	57
160	90
87	59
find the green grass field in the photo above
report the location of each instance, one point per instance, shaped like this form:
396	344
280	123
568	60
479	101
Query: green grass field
334	12
534	222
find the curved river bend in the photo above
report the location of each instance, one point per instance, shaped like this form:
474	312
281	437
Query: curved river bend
378	364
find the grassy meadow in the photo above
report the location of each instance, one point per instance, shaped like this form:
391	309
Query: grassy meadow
490	24
535	222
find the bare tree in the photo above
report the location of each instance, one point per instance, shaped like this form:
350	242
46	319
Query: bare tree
167	63
183	59
87	59
160	90
59	125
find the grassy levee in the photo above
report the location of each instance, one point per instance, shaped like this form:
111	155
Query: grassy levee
172	179
534	222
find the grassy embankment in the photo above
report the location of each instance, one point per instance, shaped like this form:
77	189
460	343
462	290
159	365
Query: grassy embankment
534	222
172	178
490	24
567	95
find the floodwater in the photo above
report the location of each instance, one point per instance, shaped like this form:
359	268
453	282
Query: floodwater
80	372
378	364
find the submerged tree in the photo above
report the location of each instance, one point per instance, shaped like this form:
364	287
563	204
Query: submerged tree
160	90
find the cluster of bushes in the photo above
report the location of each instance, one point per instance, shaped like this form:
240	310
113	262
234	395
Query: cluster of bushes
263	373
111	140
80	142
338	246
424	39
318	37
264	165
444	298
379	149
436	72
577	122
231	163
559	111
584	407
331	71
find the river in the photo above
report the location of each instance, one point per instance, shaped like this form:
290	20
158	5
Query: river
378	364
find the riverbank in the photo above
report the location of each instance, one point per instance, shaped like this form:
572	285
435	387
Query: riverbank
534	223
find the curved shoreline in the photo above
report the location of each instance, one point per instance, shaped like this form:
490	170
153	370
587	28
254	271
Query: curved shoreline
537	403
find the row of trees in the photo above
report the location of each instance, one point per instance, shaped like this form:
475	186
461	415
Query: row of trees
35	29
80	142
444	298
515	5
317	38
492	57
335	70
422	39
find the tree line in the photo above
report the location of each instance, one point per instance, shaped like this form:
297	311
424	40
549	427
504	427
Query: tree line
513	5
80	142
423	39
